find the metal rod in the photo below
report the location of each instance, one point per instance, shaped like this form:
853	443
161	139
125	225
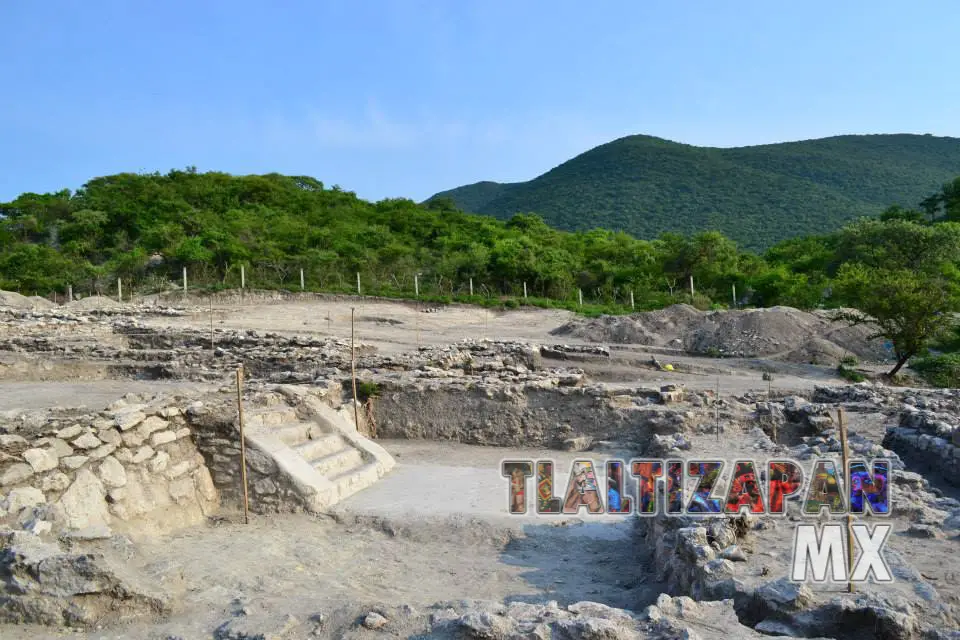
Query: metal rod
243	446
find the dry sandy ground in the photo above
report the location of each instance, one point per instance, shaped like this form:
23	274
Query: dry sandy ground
422	551
397	326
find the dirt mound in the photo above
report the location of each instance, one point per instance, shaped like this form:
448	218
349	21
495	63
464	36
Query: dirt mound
780	332
92	303
12	299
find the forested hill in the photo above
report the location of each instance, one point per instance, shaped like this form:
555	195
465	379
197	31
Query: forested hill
755	195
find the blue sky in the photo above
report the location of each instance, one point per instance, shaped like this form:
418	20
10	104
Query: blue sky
403	98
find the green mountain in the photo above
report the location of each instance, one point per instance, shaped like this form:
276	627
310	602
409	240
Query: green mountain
756	195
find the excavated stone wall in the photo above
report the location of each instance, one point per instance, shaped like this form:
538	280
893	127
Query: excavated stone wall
133	468
218	440
522	415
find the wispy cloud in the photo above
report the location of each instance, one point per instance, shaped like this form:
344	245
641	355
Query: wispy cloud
376	129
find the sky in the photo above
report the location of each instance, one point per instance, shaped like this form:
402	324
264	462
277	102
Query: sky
404	98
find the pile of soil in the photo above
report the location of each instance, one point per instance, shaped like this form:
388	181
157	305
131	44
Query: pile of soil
783	333
14	300
92	303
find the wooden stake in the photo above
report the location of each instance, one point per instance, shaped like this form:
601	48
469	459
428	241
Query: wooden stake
243	446
717	405
353	371
211	323
846	477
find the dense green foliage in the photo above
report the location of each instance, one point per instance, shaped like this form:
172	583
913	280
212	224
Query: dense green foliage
757	195
901	268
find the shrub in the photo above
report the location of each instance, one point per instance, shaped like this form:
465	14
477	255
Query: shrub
939	370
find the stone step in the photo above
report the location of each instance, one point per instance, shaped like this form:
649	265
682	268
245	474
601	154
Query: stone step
296	434
320	446
271	417
356	479
338	462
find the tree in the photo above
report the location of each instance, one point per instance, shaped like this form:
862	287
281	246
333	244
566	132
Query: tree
908	307
902	278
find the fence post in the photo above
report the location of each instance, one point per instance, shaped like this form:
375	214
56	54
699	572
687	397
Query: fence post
243	277
471	286
416	285
632	307
358	283
184	280
691	289
524	290
580	296
69	293
302	284
119	290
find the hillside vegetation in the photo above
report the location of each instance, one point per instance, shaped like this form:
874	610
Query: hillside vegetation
902	270
757	195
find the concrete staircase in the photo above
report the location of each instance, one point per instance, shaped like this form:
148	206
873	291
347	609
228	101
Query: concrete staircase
317	449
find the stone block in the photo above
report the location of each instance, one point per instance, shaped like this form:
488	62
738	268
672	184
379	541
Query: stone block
87	441
41	460
112	473
73	462
102	451
70	432
162	437
143	454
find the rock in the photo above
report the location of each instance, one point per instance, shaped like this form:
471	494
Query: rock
22	497
265	486
59	447
73	462
102	452
14	444
143	454
257	626
579	443
784	595
734	553
162	437
110	436
112	473
70	432
153	424
41	460
374	621
159	462
84	503
54	587
128	419
178	469
16	473
87	441
55	482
